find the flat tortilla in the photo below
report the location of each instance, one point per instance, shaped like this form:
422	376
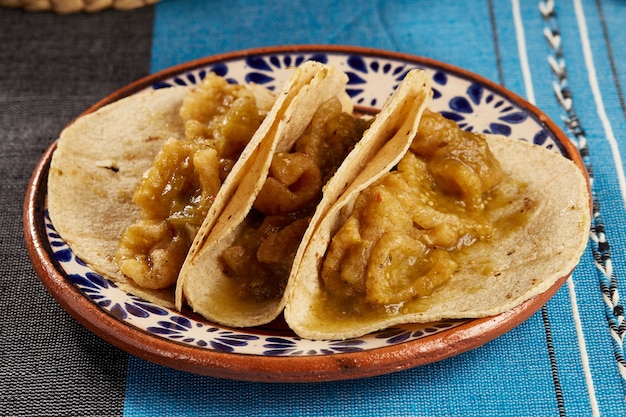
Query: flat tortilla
494	275
94	170
209	291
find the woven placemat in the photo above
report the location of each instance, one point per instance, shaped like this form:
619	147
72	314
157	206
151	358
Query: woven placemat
75	6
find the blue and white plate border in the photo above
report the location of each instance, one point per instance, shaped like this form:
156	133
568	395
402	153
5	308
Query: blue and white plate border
475	103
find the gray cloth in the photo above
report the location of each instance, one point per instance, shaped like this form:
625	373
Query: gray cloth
51	69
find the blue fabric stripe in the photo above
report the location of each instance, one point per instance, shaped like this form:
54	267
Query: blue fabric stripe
508	376
609	388
613	13
472	384
404	26
512	71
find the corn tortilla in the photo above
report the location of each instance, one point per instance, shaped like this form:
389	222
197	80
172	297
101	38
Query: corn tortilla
208	289
494	275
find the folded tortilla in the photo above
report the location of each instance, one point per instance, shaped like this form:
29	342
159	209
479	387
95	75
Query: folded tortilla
99	161
493	275
308	86
206	286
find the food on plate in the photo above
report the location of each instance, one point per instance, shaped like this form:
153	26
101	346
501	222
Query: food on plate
98	161
127	172
399	241
310	86
467	225
174	195
156	169
244	204
241	274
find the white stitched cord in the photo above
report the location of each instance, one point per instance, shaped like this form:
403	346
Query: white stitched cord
519	28
597	96
612	298
593	402
557	65
600	245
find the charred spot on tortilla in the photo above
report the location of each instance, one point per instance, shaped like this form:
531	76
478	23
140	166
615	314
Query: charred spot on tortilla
151	138
110	165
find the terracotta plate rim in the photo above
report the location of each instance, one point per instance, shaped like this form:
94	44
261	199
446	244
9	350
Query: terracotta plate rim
339	366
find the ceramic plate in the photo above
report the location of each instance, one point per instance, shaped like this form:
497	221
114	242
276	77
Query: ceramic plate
272	353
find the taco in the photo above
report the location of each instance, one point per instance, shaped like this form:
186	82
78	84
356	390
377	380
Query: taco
454	231
106	160
307	87
241	274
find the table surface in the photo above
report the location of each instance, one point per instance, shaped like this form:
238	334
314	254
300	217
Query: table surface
567	57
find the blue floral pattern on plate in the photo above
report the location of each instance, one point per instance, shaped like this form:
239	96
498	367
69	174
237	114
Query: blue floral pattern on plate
371	81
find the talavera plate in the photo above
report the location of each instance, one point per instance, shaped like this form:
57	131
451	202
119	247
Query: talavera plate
272	353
